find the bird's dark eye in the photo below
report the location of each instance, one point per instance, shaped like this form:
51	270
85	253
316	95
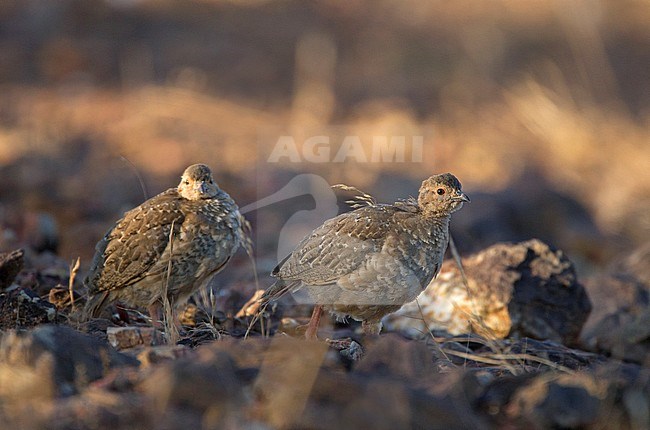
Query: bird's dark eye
440	191
187	182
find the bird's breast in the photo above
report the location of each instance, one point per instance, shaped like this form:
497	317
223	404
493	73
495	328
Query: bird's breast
421	249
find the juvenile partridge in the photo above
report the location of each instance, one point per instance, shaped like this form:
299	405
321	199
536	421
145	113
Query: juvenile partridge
368	262
174	243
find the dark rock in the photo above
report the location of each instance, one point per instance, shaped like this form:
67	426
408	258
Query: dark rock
287	363
96	409
355	400
608	396
203	385
526	289
620	324
100	409
614	293
394	385
352	353
391	355
624	335
558	401
10	264
52	361
22	308
495	398
275	352
120	379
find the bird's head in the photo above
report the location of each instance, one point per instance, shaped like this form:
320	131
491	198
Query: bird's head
197	183
440	195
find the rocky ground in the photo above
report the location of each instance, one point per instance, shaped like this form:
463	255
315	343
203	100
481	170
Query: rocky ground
541	109
543	353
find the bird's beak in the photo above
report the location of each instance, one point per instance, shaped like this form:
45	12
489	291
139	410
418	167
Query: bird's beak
463	198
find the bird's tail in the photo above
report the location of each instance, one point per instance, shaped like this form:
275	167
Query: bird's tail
274	292
95	304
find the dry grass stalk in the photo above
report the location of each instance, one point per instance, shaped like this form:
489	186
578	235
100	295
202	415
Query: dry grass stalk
426	324
206	301
260	316
360	198
503	360
168	317
74	268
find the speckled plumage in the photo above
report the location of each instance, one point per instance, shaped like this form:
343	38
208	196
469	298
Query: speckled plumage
132	261
368	262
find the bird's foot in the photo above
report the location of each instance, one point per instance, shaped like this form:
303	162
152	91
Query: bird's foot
340	344
347	348
371	328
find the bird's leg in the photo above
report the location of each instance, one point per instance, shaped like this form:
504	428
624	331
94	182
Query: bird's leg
314	321
155	312
122	313
371	328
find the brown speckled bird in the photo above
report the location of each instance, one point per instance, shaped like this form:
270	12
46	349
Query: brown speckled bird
175	241
368	262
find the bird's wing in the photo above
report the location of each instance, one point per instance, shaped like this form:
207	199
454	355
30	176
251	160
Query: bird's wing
338	247
135	243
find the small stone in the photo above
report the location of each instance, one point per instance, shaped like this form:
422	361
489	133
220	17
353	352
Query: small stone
128	337
59	296
161	353
252	306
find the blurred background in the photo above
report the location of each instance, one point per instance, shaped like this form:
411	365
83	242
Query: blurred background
541	108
